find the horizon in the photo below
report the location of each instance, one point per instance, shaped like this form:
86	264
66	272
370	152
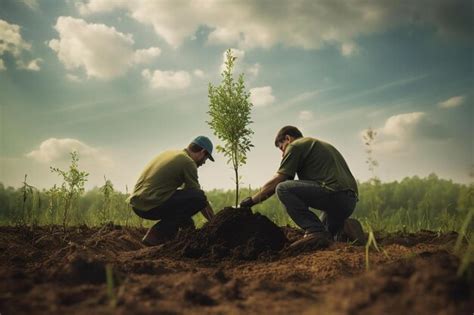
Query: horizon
121	82
225	190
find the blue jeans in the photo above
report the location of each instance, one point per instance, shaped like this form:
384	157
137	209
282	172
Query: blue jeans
298	195
177	211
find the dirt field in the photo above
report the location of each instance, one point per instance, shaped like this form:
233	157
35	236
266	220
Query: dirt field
240	263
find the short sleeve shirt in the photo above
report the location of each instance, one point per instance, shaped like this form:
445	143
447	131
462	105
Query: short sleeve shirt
167	172
315	160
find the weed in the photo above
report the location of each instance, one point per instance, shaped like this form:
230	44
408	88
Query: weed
53	195
109	275
466	260
371	241
107	193
463	231
28	211
72	186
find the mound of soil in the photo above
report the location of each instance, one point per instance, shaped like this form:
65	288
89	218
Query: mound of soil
235	233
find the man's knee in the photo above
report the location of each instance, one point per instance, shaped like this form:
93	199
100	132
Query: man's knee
282	189
141	214
199	198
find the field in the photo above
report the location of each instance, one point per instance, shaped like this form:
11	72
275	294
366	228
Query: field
239	263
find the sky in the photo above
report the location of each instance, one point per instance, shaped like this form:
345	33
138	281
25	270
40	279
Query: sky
121	81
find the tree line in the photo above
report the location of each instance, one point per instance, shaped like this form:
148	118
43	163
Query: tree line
411	204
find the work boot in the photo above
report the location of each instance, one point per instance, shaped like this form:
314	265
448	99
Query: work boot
321	239
155	237
352	232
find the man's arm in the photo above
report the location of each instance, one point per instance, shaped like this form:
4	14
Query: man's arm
208	212
269	188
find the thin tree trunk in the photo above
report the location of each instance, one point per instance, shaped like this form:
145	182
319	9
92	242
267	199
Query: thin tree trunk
235	161
236	170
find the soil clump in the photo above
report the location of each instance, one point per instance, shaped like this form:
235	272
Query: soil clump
234	233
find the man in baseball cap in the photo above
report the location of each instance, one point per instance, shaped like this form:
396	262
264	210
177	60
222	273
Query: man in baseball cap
168	190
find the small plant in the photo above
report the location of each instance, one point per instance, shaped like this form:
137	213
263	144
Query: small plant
107	193
375	200
230	110
128	208
109	276
463	231
371	242
28	193
72	186
466	260
53	194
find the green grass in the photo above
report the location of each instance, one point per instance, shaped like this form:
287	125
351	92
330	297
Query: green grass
410	205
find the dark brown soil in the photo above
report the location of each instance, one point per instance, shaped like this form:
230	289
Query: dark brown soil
236	234
236	264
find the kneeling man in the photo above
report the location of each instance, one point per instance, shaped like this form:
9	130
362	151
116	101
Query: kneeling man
324	183
168	190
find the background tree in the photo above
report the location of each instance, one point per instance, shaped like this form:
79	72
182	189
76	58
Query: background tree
230	109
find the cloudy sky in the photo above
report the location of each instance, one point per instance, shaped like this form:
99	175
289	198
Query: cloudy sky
120	81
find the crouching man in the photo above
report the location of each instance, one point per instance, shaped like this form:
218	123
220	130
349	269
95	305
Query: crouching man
324	183
168	190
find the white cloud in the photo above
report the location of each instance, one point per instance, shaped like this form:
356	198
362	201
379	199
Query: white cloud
31	4
172	21
167	79
452	102
33	65
146	55
348	49
102	51
11	42
403	125
262	96
305	115
58	150
72	77
199	73
402	132
223	36
254	70
99	6
309	24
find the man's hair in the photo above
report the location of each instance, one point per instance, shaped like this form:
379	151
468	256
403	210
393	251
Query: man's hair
287	131
193	147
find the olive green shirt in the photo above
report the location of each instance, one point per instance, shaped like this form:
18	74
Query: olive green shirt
315	160
161	177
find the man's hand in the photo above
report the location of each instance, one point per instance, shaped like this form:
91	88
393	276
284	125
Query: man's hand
247	203
208	212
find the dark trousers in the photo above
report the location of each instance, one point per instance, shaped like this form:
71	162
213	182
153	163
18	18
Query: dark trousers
176	212
298	195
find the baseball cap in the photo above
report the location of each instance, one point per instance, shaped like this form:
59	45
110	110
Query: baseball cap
206	144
